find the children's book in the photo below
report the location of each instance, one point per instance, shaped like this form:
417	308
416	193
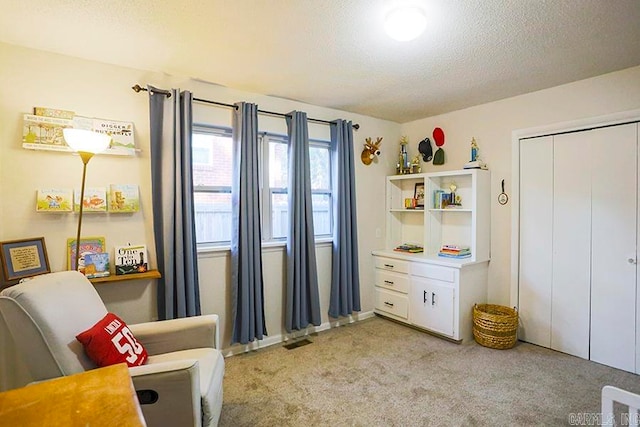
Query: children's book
44	133
88	245
95	200
130	259
124	198
96	264
53	200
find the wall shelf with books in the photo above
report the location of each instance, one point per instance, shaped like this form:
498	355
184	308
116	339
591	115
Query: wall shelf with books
151	274
454	209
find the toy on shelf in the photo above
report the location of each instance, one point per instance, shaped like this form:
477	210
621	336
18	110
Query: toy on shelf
475	162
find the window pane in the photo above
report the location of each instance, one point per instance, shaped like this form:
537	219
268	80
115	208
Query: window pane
279	215
213	217
321	214
320	169
212	160
278	165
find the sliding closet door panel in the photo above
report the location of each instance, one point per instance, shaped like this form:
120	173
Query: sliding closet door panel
536	216
637	371
570	289
613	268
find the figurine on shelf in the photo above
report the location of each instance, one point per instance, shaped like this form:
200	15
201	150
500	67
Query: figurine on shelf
456	200
474	150
475	162
404	165
415	164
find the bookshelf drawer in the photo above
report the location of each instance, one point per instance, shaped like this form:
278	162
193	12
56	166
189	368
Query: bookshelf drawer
391	280
391	264
392	302
433	272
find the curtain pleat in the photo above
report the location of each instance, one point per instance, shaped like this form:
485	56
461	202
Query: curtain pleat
345	276
302	299
246	239
173	203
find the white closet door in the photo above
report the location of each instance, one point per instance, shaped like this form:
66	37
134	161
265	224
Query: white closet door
613	269
637	371
536	216
571	244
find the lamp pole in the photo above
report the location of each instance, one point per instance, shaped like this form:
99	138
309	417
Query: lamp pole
85	156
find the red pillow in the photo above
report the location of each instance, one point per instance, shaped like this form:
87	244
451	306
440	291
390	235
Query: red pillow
110	341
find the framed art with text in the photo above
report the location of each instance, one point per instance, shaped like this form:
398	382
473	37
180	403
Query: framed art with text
24	258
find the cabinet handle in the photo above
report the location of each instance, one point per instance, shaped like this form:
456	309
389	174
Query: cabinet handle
632	261
433	298
425	297
388	282
389	265
388	303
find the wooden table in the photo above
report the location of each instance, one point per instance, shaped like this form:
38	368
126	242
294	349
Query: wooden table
100	397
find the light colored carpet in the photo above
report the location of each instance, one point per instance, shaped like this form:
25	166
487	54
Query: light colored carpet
379	373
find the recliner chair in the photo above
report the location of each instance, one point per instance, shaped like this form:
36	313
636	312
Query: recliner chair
181	383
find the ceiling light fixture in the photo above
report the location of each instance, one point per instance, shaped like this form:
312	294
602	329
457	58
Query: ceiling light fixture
405	23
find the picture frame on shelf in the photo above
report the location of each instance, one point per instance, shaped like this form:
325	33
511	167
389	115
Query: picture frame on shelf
418	195
24	258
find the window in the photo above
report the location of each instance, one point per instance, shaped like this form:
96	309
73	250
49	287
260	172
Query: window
212	174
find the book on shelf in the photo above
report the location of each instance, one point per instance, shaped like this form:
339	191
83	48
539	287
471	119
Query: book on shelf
441	199
124	198
456	247
53	112
96	265
476	164
54	200
95	200
454	251
88	245
409	248
459	256
130	259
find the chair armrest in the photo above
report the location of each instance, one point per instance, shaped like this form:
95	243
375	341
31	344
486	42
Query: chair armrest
178	334
177	387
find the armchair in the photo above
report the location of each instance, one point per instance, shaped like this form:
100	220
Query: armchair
181	383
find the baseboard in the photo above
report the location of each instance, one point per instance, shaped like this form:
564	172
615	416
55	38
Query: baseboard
281	338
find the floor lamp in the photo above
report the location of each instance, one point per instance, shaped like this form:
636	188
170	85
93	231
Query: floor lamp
86	143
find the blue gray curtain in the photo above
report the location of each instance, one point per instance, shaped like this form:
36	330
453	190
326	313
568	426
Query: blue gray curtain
345	276
302	299
246	239
172	200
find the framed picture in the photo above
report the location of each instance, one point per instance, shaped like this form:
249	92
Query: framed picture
24	258
418	194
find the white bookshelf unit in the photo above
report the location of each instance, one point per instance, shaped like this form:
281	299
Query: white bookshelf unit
428	291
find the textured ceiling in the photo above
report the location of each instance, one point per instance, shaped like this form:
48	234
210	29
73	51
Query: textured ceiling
334	53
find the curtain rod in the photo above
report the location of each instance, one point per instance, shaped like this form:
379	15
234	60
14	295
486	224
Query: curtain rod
167	93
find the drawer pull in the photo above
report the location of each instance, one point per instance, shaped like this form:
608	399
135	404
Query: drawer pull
389	265
388	304
388	282
433	296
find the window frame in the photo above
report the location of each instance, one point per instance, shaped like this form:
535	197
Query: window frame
220	131
266	192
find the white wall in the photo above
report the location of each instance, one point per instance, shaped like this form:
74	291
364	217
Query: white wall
30	78
492	125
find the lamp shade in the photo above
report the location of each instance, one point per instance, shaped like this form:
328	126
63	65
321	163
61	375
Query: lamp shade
405	23
85	140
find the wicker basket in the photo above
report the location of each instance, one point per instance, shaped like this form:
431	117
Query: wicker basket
495	326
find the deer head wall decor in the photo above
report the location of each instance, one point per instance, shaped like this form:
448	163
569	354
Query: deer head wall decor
371	150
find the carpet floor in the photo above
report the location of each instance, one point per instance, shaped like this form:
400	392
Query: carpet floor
379	373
